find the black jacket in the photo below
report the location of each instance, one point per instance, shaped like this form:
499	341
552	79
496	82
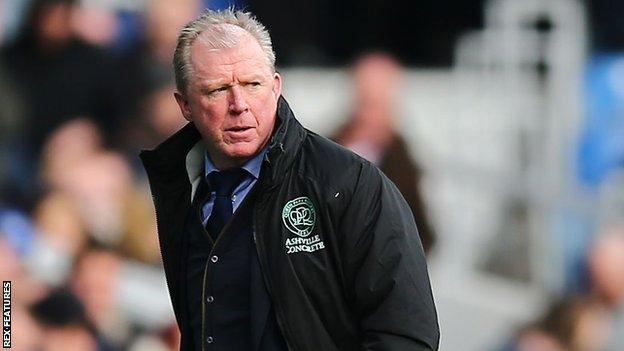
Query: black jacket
337	243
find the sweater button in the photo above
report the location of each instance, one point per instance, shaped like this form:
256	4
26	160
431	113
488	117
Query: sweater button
214	259
209	339
210	299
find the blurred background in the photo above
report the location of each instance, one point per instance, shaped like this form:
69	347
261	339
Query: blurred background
501	121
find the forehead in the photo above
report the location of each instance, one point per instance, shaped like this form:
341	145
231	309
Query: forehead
244	57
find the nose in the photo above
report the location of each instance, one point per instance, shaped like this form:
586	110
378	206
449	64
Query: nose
238	103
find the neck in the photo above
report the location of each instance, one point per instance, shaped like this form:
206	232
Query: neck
225	163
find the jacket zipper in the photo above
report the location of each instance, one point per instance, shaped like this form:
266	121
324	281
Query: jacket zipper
278	311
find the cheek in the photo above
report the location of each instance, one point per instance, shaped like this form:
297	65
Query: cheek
265	106
208	117
266	119
211	111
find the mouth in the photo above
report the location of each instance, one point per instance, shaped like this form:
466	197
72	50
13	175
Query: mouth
238	129
239	133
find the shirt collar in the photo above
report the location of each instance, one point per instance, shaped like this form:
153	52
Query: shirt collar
252	166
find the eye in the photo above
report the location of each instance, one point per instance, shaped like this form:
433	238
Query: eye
215	91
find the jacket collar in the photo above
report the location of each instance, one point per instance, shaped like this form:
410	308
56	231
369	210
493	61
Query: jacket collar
180	157
284	145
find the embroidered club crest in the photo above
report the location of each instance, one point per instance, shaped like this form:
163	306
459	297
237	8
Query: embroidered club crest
299	216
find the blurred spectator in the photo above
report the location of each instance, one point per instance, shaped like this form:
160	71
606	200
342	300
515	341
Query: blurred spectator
114	213
102	207
68	146
26	289
161	112
95	23
61	236
371	132
142	296
148	342
73	160
96	282
65	325
56	75
164	20
606	267
140	240
62	232
586	323
172	337
158	118
57	218
120	296
151	64
26	334
533	339
571	324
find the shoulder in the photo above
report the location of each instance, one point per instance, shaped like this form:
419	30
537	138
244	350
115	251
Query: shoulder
332	165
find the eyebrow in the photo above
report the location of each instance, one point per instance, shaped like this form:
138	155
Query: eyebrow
207	85
250	77
206	82
211	85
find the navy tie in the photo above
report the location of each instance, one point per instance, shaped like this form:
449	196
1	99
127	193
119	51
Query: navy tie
223	183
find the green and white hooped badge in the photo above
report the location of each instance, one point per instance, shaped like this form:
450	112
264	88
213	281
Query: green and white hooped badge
299	216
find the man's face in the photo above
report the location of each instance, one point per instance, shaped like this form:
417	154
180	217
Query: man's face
232	98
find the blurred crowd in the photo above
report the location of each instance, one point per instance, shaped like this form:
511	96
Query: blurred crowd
83	87
588	320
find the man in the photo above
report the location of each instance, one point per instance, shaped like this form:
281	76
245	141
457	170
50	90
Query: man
272	237
371	132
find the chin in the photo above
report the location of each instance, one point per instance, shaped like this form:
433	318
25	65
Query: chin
242	151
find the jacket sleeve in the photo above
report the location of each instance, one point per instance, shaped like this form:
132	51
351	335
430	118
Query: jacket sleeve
385	268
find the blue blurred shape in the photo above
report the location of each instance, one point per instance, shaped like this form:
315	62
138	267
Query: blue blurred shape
17	228
224	4
130	32
601	149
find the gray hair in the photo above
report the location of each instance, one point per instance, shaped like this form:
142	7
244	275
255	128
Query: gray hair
214	25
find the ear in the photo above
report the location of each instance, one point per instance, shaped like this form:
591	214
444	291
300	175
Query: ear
277	84
184	105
